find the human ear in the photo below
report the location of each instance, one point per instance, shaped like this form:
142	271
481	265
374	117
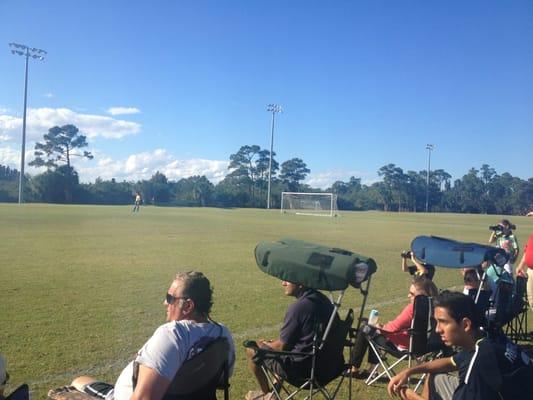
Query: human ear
466	324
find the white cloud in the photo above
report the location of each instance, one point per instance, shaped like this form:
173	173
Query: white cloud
9	124
10	157
49	95
123	110
325	179
39	120
144	165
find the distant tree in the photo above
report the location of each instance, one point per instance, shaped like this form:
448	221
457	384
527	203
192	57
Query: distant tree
59	146
249	168
349	194
195	190
156	189
108	192
243	166
54	186
262	165
394	185
8	174
293	171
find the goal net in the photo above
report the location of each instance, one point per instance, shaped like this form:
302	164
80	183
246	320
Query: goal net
321	204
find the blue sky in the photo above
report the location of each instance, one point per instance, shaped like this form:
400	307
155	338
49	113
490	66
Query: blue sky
178	86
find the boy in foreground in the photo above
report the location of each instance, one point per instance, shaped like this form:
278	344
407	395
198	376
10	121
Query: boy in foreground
487	369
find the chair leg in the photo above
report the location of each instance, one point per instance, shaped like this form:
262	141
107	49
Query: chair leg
387	368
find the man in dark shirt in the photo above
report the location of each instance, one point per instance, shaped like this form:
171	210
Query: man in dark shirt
492	369
310	308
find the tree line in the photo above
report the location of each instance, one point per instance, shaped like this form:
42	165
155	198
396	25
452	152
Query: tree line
478	191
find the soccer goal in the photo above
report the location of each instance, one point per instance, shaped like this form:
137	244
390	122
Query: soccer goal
320	204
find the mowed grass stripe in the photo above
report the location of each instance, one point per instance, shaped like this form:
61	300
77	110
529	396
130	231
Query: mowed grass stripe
81	286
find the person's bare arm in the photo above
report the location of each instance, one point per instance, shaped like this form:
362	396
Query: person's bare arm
399	381
420	268
492	237
150	385
276	344
522	267
404	264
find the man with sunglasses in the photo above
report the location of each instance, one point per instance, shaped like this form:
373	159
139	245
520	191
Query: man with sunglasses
187	332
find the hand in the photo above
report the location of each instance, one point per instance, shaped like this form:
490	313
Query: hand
264	343
398	383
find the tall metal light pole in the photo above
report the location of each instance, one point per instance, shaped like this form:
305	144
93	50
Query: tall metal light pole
273	108
429	148
38	54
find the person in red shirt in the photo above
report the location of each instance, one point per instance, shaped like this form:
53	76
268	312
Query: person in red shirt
525	268
395	331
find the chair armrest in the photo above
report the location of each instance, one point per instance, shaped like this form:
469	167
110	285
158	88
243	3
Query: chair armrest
263	353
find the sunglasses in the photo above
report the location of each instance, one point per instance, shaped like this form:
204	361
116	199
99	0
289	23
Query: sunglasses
171	299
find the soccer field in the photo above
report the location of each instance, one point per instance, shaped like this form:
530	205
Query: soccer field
82	287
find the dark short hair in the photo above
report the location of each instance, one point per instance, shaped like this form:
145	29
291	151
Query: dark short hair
459	306
197	287
471	277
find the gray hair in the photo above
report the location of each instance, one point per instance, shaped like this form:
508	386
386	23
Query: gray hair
197	288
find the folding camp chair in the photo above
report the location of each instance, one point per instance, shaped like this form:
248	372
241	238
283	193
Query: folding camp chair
201	376
516	329
420	333
320	268
327	362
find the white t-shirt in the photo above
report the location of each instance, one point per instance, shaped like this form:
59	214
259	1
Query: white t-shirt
169	347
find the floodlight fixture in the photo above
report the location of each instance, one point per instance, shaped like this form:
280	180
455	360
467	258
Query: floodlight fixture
429	148
36	54
273	108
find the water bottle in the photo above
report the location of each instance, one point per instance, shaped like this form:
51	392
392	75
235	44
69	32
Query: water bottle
373	317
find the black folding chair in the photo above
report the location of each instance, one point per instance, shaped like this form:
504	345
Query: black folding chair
516	329
422	342
201	376
326	362
316	267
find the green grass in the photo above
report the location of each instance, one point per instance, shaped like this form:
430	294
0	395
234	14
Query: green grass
81	287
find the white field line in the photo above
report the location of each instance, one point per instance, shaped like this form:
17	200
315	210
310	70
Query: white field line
118	365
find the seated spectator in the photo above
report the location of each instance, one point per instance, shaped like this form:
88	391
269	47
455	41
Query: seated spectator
471	280
503	237
419	268
488	369
188	330
296	334
399	336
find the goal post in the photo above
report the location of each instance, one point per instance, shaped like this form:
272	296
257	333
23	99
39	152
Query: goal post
318	204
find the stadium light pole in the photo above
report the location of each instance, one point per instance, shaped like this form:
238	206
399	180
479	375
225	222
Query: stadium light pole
38	54
273	108
429	148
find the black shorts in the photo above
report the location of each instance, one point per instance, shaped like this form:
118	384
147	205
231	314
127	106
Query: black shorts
296	372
